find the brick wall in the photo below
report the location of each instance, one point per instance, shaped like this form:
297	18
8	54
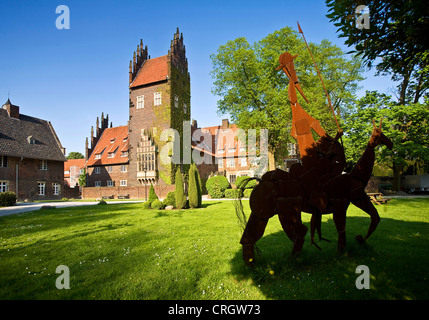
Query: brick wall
29	175
107	173
134	192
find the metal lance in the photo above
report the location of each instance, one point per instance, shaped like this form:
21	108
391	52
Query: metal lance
320	77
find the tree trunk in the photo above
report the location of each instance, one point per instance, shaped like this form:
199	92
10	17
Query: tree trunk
271	159
397	171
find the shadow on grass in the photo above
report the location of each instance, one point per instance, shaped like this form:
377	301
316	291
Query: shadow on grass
397	255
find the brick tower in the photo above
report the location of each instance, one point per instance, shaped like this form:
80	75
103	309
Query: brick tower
159	98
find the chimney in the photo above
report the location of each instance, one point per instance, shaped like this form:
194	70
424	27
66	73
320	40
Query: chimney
225	124
13	111
194	123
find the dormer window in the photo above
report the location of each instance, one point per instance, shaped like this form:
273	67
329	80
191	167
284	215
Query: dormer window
31	140
112	140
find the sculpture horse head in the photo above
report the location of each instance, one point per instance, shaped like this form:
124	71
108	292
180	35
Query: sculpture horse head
378	137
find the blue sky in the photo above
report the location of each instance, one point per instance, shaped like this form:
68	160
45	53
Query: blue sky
70	77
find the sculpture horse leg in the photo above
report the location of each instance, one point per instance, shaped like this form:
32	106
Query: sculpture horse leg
366	205
254	230
316	224
289	211
339	210
262	203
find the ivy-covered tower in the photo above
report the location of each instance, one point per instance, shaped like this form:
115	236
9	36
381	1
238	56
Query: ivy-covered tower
159	98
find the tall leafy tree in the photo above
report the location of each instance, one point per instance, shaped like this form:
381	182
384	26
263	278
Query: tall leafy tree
395	42
406	125
255	94
75	155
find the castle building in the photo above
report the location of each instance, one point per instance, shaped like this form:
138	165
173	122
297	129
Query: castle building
124	161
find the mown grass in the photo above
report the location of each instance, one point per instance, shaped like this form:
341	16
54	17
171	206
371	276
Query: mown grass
121	251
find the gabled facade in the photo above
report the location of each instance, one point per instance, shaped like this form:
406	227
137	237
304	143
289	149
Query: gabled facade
159	98
31	156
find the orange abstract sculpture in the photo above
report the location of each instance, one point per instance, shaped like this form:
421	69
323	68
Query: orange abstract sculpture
317	185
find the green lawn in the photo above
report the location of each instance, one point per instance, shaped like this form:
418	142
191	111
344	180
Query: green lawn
120	251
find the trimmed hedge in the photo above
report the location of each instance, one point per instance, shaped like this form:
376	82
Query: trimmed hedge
146	205
180	192
170	199
216	186
193	188
250	185
247	193
152	194
157	205
233	193
7	199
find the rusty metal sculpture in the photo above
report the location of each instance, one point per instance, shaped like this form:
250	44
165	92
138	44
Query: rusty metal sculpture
317	185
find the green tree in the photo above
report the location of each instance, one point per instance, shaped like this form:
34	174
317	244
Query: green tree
152	194
179	190
255	94
406	125
193	187
200	187
82	178
396	41
75	155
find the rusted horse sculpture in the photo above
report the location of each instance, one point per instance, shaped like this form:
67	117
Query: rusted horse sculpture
284	194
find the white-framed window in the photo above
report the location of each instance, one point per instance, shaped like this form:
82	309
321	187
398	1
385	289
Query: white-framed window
123	183
3	161
109	169
176	101
140	102
110	183
291	149
4	186
43	165
97	170
56	189
220	163
231	163
41	188
185	108
111	154
124	154
243	162
123	168
97	183
232	178
157	99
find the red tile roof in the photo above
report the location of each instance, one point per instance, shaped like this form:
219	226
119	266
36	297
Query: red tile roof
152	70
112	139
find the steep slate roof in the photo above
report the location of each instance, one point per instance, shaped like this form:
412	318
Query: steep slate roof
112	140
14	137
152	70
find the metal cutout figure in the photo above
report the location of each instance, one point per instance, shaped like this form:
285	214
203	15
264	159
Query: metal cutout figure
317	185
